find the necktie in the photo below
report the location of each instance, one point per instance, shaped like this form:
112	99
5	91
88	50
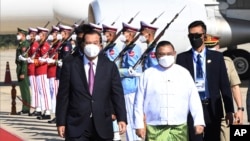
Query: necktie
199	73
91	77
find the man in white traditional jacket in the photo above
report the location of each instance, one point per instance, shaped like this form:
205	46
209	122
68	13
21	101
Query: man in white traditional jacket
165	95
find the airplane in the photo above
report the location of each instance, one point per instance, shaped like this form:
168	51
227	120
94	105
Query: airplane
228	19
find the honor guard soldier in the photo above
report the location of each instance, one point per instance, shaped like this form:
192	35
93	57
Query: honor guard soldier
41	67
65	47
21	71
147	36
212	43
35	99
111	49
129	77
73	37
51	61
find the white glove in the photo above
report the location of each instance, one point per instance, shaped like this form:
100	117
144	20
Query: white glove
59	63
50	61
59	36
29	60
42	59
21	58
132	72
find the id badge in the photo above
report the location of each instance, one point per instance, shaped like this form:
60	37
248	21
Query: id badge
200	85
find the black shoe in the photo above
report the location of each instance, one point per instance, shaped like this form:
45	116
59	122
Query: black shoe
52	121
43	117
23	112
35	113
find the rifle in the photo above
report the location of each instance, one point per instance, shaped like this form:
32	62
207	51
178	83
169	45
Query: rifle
42	43
119	33
27	50
133	41
151	47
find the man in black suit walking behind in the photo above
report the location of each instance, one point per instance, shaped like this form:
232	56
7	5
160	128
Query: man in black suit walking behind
209	73
89	92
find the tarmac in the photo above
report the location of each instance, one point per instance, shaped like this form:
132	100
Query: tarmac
29	128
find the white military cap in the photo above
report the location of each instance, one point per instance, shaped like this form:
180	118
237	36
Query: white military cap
42	29
145	25
55	28
109	28
31	29
128	27
96	27
64	27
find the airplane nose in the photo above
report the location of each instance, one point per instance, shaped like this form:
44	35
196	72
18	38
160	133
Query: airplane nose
240	30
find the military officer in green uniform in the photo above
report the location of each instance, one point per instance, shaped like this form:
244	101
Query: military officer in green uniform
21	71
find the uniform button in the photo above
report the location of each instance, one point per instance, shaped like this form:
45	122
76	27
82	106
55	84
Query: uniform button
92	101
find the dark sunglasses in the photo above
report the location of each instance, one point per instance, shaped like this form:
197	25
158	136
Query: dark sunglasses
195	35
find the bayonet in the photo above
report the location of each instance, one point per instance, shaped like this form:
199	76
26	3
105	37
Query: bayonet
157	17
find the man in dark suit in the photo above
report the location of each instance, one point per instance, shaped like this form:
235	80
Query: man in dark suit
209	73
89	92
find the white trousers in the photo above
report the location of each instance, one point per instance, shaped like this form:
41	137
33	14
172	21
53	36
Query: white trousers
53	88
130	133
43	90
35	97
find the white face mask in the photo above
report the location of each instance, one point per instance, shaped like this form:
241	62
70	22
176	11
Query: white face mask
50	38
142	39
18	37
28	37
123	38
91	50
166	61
37	38
73	37
59	36
104	38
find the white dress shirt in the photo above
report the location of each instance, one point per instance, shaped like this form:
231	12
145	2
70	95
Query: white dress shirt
166	96
86	66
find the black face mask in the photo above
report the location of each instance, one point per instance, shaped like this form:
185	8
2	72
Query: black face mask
195	40
196	43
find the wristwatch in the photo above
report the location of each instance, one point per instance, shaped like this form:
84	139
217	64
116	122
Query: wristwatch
241	108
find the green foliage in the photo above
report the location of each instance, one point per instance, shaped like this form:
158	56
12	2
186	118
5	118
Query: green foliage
8	40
